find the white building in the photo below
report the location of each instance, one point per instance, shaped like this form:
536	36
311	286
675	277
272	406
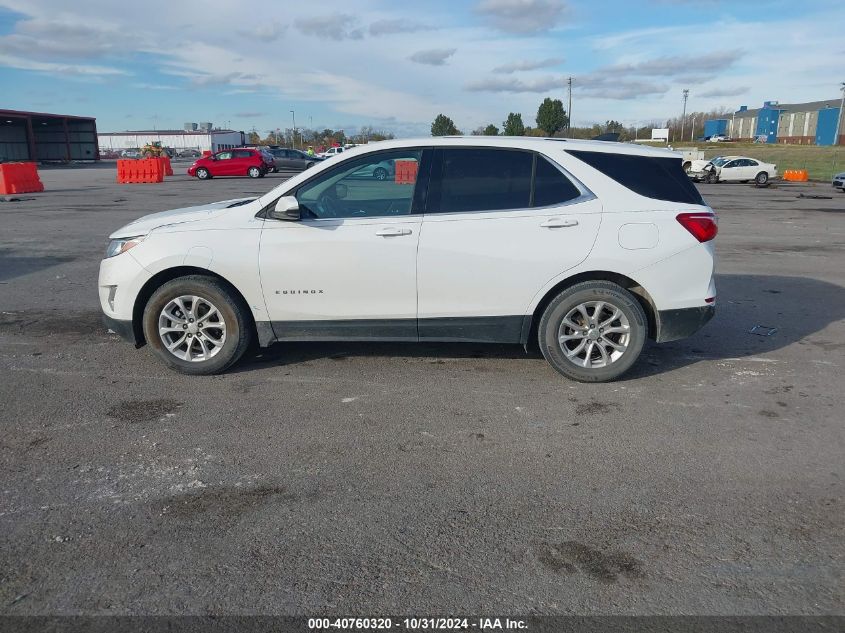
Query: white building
202	140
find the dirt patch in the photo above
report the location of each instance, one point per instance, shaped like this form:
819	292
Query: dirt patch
594	407
768	414
571	557
135	411
223	502
52	323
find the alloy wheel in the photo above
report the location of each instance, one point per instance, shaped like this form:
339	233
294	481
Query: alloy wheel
191	328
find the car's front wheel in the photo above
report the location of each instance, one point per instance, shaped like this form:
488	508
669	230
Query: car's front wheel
203	174
254	172
593	331
197	325
380	173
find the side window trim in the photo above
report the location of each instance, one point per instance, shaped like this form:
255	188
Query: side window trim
585	192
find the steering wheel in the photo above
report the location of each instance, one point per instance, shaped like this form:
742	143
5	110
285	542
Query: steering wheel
328	205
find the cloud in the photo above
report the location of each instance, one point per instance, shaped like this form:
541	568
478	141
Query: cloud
522	17
528	64
47	39
433	56
248	115
514	84
676	65
341	26
56	68
724	92
270	32
399	25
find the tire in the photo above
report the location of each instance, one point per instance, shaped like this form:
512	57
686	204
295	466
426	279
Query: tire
380	173
309	165
206	300
712	178
203	174
584	344
687	167
761	179
253	172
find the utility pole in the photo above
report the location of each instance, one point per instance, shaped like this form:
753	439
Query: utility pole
692	129
684	115
569	118
293	115
841	113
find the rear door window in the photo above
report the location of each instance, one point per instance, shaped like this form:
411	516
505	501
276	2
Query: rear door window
484	180
658	177
551	186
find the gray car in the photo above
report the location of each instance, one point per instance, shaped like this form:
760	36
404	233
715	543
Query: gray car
292	159
839	181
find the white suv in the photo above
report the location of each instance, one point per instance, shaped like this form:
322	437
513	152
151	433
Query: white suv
586	247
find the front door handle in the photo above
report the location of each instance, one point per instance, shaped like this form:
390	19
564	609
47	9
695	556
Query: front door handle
558	223
393	232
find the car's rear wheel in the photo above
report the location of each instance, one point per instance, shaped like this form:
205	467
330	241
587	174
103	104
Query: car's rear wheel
196	325
593	331
309	165
203	174
253	172
762	178
380	173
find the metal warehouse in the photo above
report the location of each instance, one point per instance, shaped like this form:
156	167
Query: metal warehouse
206	139
813	123
38	136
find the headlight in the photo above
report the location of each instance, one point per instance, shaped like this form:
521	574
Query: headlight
118	246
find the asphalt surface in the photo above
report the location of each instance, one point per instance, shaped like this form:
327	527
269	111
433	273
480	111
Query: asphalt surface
422	479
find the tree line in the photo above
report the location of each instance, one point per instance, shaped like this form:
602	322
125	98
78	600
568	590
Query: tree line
551	118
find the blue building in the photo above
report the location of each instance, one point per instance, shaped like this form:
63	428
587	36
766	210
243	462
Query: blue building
716	127
812	123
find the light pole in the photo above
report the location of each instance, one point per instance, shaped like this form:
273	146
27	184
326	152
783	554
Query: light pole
293	115
841	113
684	115
569	119
692	129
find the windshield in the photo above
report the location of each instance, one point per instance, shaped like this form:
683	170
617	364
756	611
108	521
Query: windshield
719	161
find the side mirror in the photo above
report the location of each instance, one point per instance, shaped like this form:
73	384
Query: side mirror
287	208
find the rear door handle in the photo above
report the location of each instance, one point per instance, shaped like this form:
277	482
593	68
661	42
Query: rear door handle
386	232
558	223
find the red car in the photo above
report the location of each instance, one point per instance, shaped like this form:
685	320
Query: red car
232	162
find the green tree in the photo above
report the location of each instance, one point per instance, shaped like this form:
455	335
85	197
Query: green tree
254	138
513	126
443	126
491	130
551	116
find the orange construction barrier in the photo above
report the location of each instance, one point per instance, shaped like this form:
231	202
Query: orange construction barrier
19	178
146	170
165	163
796	175
406	172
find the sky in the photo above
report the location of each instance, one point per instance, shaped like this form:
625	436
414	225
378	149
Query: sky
395	66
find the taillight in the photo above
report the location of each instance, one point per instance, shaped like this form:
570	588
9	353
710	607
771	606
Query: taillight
702	225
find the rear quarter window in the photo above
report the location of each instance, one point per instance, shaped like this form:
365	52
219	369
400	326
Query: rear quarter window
657	177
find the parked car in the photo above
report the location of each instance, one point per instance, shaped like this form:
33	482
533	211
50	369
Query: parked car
188	153
718	138
332	151
232	162
293	159
738	169
839	181
588	248
130	153
380	171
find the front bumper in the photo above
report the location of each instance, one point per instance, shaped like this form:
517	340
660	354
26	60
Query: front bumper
124	329
673	325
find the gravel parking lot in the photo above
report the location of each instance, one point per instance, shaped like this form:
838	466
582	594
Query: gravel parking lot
422	479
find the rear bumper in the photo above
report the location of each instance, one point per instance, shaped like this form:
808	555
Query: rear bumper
124	329
673	325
